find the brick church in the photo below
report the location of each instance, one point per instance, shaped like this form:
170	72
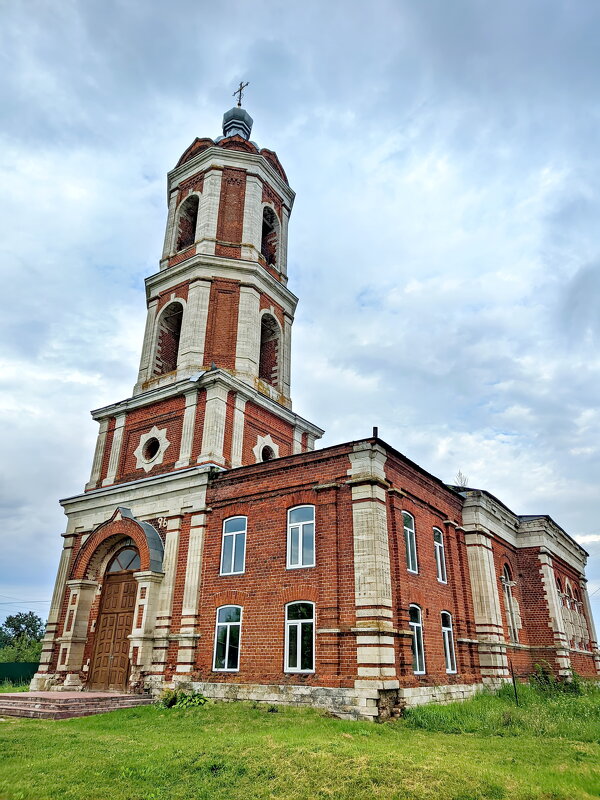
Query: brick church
214	546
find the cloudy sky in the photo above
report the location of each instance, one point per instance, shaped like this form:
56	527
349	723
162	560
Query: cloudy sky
444	243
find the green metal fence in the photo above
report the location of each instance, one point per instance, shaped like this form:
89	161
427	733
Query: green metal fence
18	671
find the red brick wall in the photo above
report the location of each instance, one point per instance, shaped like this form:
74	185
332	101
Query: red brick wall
430	503
167	414
230	221
221	326
260	422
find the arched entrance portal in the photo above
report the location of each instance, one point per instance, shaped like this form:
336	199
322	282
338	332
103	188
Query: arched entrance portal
110	662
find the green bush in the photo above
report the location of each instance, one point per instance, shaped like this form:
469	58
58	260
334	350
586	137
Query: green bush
544	680
23	649
180	698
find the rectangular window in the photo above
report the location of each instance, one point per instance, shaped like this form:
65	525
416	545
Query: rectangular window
418	650
227	639
448	638
301	537
300	637
440	557
410	542
233	550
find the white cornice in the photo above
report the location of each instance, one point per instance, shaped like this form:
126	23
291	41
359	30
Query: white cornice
207	267
215	157
202	381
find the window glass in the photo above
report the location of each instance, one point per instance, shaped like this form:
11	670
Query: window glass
233	550
509	605
410	542
300	636
227	638
448	637
126	559
301	537
418	651
440	556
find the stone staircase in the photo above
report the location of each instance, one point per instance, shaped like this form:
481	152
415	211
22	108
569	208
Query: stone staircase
64	705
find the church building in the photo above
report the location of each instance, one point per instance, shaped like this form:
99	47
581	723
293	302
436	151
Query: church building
215	547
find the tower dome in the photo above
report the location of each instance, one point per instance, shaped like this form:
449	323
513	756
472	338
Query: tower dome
238	122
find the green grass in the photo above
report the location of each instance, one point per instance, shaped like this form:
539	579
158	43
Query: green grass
236	751
557	715
8	686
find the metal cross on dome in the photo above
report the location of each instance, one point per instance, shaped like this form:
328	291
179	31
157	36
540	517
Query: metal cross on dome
240	92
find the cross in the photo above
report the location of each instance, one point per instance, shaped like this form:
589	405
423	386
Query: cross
240	92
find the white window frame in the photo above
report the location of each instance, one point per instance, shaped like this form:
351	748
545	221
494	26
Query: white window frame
449	649
227	625
296	624
507	584
234	535
410	542
440	556
300	525
417	634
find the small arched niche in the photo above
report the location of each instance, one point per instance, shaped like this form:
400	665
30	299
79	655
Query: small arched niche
268	365
167	343
186	222
269	244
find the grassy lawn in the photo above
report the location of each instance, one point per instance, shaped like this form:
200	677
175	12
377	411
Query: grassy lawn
485	748
7	686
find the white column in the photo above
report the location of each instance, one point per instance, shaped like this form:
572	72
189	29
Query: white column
187	433
141	638
115	450
208	212
168	246
252	230
372	571
554	610
286	356
38	681
297	444
165	600
213	434
188	635
98	455
193	330
285	218
486	606
237	439
74	638
248	332
145	371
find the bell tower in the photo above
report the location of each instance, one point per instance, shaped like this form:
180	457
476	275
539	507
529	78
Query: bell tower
214	379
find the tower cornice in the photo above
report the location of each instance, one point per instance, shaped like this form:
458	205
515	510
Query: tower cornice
207	267
216	157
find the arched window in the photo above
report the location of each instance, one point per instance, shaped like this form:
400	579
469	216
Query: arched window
440	557
186	222
300	637
507	584
418	651
410	541
233	549
227	639
301	537
569	594
448	638
125	560
268	365
270	236
167	344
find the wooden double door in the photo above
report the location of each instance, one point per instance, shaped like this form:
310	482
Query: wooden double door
110	662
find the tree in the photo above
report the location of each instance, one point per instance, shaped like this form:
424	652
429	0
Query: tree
22	626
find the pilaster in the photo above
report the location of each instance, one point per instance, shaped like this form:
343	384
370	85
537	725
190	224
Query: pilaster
98	455
165	599
248	332
252	230
213	434
187	433
145	371
208	212
72	642
190	612
237	440
193	329
556	621
115	451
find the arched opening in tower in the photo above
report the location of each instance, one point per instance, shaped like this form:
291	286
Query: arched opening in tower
268	366
270	236
169	334
186	228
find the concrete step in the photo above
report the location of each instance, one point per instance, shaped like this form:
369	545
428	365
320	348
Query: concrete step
51	705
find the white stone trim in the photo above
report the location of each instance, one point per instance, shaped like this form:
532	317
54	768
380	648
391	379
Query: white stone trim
237	439
188	427
98	455
264	441
115	450
149	463
213	434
